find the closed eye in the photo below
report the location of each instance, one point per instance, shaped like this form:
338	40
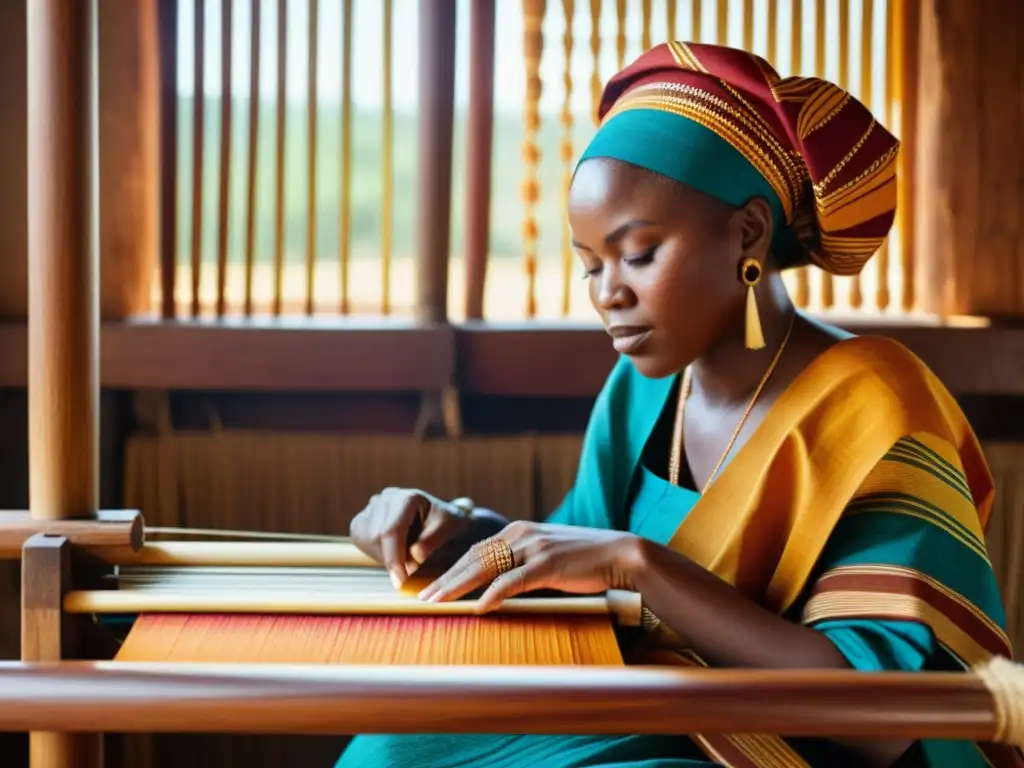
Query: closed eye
644	258
639	260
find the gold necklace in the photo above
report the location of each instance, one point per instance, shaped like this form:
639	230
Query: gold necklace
676	453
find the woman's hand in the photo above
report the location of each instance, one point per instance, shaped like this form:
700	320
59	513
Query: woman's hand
401	527
545	556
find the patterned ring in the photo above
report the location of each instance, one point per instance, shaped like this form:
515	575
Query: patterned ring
496	556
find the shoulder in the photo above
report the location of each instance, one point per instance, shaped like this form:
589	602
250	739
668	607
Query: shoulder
873	391
878	375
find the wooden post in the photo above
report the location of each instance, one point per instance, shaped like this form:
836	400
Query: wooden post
63	316
436	106
45	571
969	174
168	42
478	163
63	332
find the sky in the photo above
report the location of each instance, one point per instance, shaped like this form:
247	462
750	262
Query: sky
367	49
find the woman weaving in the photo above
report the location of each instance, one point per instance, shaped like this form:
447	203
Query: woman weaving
781	495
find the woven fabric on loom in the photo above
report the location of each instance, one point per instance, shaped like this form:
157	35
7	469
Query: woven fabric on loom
483	640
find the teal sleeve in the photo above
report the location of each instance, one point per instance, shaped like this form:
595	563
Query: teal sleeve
563	513
881	646
881	537
884	538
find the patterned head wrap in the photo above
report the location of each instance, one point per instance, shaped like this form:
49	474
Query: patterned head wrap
722	121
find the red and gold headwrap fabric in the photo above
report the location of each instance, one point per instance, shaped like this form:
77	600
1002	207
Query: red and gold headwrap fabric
723	121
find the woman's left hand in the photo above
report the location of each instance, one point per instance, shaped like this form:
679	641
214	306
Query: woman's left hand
545	556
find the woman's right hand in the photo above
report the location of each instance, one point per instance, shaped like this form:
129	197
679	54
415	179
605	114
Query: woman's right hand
401	527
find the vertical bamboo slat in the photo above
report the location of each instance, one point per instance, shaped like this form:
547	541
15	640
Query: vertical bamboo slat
722	19
63	286
596	85
803	279
198	110
645	35
620	33
533	46
827	286
773	32
696	7
748	25
436	105
479	137
282	95
867	94
345	214
226	39
311	127
387	155
884	298
566	150
856	296
254	118
670	19
905	26
168	36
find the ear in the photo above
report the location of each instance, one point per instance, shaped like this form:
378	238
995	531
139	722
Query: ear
755	221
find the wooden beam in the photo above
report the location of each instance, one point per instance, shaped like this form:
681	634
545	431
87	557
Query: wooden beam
564	360
256	356
436	108
538	359
45	637
340	699
113	529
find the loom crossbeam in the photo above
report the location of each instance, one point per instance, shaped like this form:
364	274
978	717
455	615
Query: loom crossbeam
325	699
110	534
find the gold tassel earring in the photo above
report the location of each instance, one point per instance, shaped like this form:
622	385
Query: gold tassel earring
750	274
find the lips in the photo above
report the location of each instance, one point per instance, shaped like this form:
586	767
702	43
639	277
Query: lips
628	339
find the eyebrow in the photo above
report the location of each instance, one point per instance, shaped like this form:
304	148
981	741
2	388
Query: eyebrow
618	233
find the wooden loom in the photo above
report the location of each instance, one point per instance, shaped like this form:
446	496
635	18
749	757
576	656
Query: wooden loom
72	554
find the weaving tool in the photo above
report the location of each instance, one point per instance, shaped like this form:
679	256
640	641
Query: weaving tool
329	603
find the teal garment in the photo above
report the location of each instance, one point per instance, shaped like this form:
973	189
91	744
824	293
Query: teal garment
613	490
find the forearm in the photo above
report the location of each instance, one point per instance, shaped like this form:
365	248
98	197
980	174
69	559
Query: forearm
719	623
727	630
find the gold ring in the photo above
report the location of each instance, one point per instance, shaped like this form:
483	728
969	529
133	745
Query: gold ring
496	556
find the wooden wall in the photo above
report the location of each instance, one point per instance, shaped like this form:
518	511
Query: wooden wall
129	146
969	185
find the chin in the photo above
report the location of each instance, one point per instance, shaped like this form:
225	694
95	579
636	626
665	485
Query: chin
655	366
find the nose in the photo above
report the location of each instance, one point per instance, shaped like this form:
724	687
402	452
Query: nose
609	291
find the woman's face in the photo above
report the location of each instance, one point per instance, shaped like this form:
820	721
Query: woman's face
662	261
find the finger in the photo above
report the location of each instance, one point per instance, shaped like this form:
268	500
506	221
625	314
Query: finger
523	579
463	577
394	542
361	533
436	531
460	566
